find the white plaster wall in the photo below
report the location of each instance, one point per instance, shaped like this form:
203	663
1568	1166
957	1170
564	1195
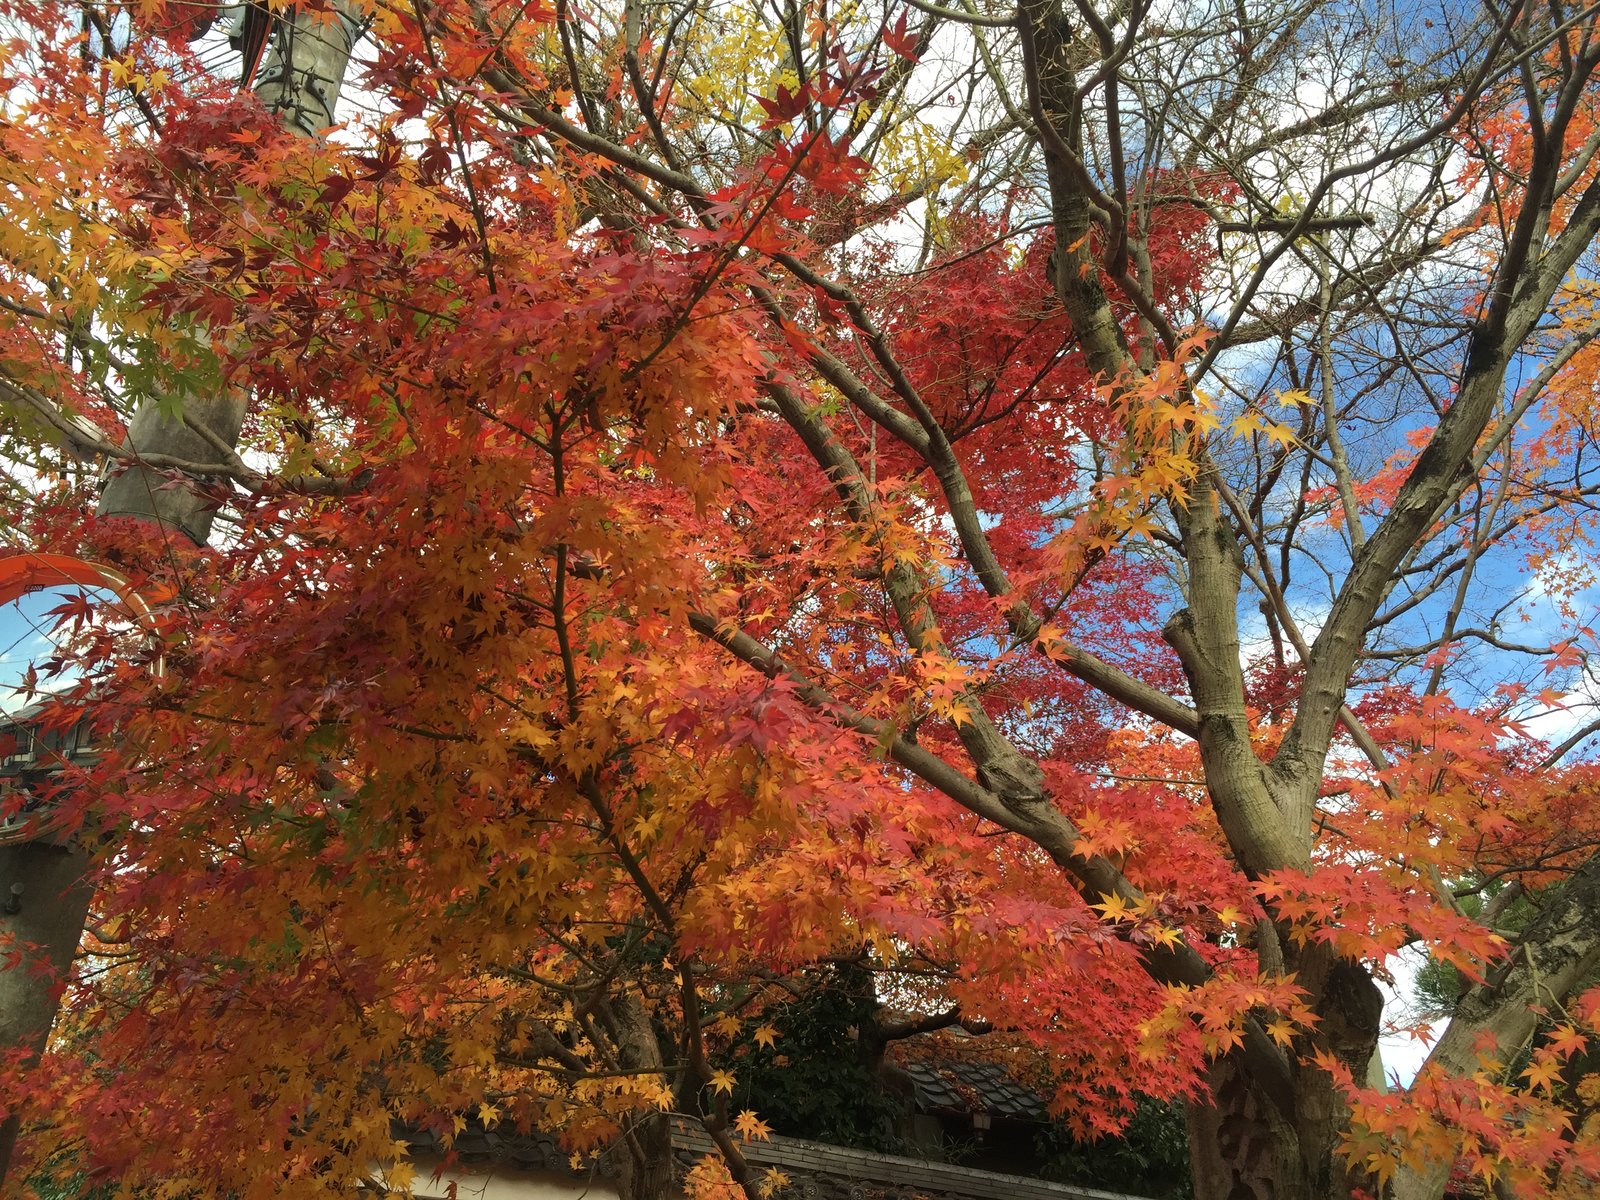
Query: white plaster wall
481	1183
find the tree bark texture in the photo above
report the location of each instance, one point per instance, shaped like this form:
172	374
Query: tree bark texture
649	1171
51	908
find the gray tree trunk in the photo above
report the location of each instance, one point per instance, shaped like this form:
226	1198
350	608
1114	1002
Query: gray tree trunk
300	81
52	906
648	1169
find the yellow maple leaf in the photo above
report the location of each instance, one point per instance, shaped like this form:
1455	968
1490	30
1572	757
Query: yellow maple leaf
1113	908
766	1035
722	1081
1280	434
751	1126
1382	1166
400	1176
1245	424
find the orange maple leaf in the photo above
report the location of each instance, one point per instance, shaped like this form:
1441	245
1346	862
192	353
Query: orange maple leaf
751	1126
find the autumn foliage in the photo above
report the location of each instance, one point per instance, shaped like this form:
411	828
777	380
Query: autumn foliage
644	577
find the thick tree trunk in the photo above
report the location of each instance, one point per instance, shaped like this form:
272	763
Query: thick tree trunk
1244	1146
300	81
51	908
305	69
1259	1138
649	1171
145	494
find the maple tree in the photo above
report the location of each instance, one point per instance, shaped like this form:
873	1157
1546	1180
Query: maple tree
1031	500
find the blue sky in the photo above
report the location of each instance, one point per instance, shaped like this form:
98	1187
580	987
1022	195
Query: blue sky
27	636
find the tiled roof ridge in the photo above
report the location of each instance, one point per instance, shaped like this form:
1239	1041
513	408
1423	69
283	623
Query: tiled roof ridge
955	1084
